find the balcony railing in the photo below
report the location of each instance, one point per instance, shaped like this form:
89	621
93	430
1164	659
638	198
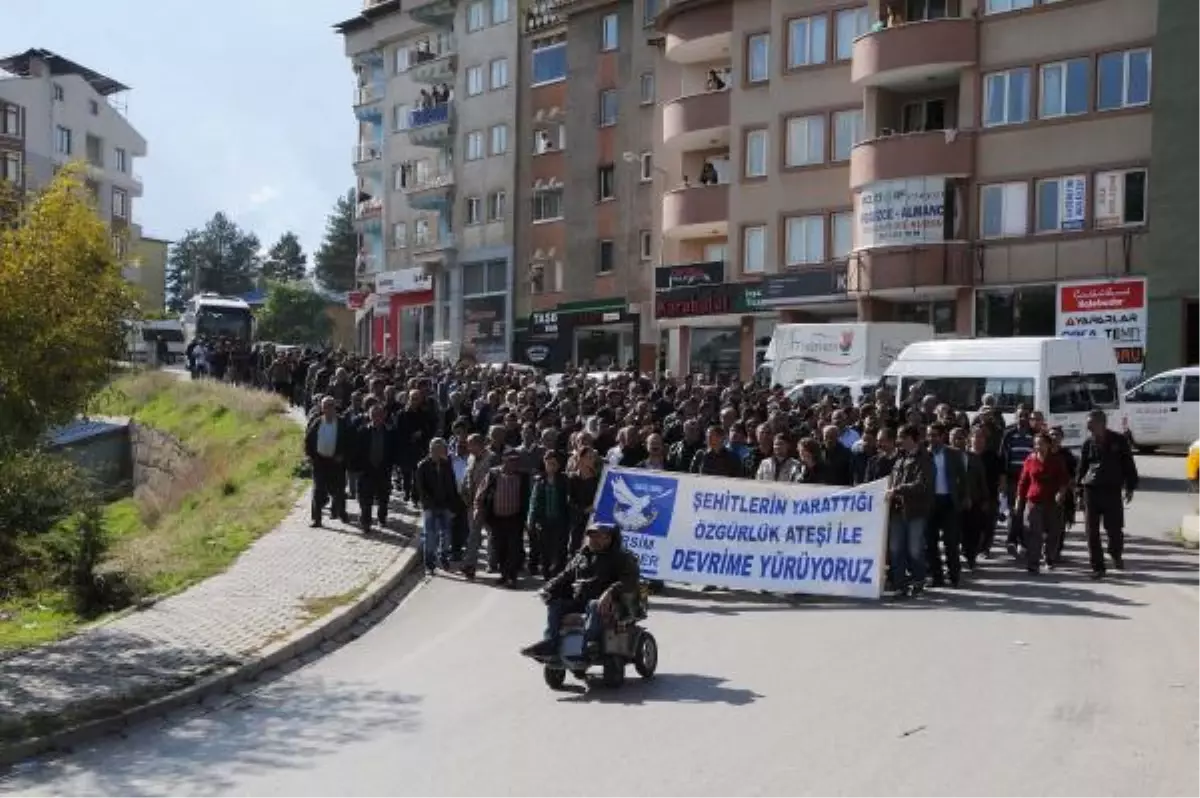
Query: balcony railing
367	264
430	182
367	152
370	93
369	208
427	117
431	244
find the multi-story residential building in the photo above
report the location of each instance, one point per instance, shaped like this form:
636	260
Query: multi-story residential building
63	111
148	271
980	165
586	166
435	167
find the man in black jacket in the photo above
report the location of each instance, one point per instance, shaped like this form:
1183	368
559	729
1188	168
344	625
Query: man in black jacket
327	443
717	460
436	490
372	459
591	583
1106	468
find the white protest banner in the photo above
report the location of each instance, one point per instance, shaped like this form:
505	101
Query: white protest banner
749	535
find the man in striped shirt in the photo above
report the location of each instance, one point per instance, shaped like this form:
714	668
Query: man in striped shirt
1015	447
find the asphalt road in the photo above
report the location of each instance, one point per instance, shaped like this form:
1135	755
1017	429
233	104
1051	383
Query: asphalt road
1012	685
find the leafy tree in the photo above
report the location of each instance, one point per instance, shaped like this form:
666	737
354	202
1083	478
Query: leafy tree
286	260
337	258
294	313
220	257
63	302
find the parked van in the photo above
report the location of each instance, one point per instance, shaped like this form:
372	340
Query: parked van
1065	378
1164	410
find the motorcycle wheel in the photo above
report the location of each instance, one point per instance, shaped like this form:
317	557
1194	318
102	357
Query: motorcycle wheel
645	656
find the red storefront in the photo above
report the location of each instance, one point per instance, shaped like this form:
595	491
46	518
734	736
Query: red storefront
403	312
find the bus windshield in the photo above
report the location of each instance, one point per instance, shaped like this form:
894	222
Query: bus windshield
233	323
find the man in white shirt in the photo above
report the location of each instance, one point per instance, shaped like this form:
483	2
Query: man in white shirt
327	443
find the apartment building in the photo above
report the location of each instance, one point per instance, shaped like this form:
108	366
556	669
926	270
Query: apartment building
980	165
54	111
434	165
586	241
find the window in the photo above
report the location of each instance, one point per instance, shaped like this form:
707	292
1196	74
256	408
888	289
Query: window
399	235
758	58
488	277
120	160
400	60
923	115
549	63
399	177
647	88
1006	98
806	41
10	167
62	140
756	153
499	11
1082	393
1120	198
58	92
475	16
716	252
94	107
120	204
604	263
499	73
754	249
1001	6
606	177
549	139
474	80
608	107
400	116
647	167
1063	89
805	240
547	204
1191	389
649	12
1060	204
847	131
474	210
94	148
1123	80
645	245
497	203
1159	389
842	226
969	391
1004	210
849	25
805	140
10	121
608	32
474	145
421	233
499	139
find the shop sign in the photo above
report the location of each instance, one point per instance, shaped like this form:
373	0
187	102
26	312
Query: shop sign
1112	309
783	289
687	275
714	300
381	304
403	281
543	323
356	299
1072	196
893	212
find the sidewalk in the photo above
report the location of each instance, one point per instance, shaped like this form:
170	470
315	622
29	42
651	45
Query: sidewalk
293	589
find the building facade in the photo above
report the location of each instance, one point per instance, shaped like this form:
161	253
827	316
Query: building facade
434	165
54	111
978	165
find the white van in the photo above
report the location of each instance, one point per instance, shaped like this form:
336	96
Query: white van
1164	410
1065	378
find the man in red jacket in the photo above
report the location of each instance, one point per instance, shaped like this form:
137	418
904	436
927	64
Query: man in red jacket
1042	487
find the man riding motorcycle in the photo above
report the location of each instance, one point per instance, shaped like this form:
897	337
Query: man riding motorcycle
591	583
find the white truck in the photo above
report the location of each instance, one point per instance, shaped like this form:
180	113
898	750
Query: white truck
850	355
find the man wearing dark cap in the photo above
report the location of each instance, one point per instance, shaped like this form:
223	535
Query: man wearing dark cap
1106	469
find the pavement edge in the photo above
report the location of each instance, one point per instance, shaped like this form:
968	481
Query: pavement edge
326	633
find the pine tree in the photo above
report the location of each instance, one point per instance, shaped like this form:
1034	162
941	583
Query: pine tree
286	261
337	259
220	257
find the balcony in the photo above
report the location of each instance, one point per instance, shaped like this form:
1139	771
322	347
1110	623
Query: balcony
932	152
906	268
368	153
922	54
432	68
366	264
433	249
438	14
369	209
697	122
696	31
696	212
433	193
431	127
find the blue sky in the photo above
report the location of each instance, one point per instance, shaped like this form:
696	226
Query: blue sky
245	104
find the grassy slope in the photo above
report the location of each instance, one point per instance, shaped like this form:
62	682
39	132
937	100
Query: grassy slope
248	448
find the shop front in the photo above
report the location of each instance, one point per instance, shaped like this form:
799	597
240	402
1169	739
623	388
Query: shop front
485	335
600	334
410	310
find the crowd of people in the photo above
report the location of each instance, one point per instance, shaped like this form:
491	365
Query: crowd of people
493	452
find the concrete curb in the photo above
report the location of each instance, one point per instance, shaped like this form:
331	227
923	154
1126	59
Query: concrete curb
328	632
